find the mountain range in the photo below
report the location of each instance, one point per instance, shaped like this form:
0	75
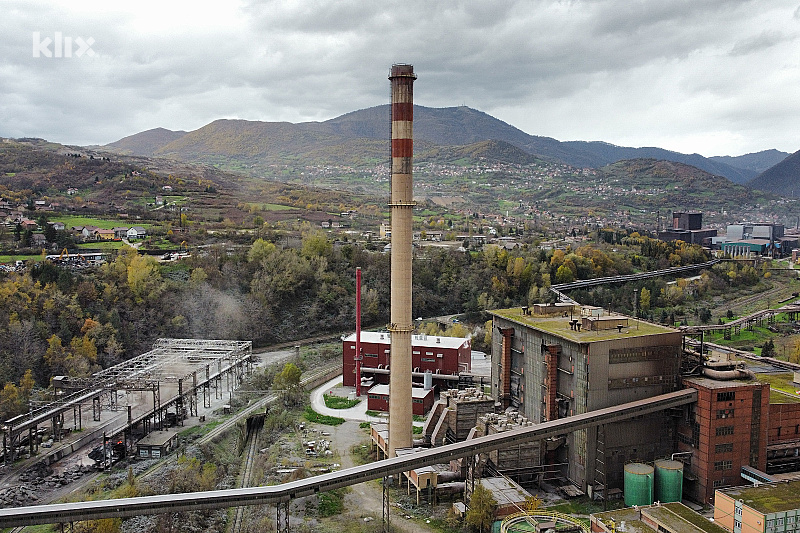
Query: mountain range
360	138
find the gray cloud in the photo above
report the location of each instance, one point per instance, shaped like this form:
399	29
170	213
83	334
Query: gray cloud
712	76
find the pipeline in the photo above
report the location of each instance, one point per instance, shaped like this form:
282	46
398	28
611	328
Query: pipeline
727	375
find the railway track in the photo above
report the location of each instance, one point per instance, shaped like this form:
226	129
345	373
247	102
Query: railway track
247	473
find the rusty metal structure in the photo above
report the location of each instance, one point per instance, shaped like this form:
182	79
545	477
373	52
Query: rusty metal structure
176	372
402	204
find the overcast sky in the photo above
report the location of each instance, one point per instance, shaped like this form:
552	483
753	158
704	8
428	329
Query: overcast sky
716	77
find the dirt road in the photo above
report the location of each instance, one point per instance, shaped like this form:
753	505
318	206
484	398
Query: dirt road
365	498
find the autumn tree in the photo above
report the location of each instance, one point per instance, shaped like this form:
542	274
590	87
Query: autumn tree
482	506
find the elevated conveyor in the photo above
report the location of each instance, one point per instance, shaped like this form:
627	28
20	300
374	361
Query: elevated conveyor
169	503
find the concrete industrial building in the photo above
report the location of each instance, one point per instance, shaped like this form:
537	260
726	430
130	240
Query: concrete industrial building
549	367
688	227
561	361
756	239
442	356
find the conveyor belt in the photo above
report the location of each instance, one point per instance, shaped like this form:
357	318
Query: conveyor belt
168	503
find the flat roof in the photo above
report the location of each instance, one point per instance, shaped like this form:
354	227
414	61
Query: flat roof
422	341
718	384
676	516
157	438
560	327
504	490
768	497
782	387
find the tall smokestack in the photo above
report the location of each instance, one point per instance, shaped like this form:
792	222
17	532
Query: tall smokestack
402	79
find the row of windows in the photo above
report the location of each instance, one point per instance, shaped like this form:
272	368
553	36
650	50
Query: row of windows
726	396
724	430
722	448
723	465
724	413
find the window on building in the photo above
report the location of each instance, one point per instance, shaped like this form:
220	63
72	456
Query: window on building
724	413
724	430
723	448
723	465
717	484
428	359
370	355
726	396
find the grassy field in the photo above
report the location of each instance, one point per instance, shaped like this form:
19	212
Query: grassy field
102	245
12	258
276	207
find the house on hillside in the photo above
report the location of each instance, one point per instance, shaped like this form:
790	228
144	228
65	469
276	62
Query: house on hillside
87	232
120	233
137	232
104	235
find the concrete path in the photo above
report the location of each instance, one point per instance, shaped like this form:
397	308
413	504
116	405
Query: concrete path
359	412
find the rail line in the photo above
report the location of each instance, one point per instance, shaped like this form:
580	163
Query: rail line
247	472
277	494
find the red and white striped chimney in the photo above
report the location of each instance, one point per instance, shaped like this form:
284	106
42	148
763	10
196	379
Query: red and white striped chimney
400	407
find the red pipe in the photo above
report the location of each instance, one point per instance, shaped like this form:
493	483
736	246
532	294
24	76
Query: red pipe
358	332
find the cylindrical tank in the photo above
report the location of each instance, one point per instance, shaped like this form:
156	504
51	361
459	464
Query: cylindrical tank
428	380
668	481
638	479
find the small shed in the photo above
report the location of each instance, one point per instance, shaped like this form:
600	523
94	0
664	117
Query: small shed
157	444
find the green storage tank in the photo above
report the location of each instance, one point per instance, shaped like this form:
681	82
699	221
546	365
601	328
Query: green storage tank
669	480
638	479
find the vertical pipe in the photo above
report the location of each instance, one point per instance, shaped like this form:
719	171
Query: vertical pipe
402	203
358	332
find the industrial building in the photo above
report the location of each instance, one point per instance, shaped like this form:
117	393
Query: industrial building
549	366
666	518
421	399
725	430
443	357
756	239
688	227
556	361
766	508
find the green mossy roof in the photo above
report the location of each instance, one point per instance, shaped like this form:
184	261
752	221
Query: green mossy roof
560	326
768	498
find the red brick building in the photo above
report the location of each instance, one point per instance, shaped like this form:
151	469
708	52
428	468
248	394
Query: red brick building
725	430
441	355
421	399
783	448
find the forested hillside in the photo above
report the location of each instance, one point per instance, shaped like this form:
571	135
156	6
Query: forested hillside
55	321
